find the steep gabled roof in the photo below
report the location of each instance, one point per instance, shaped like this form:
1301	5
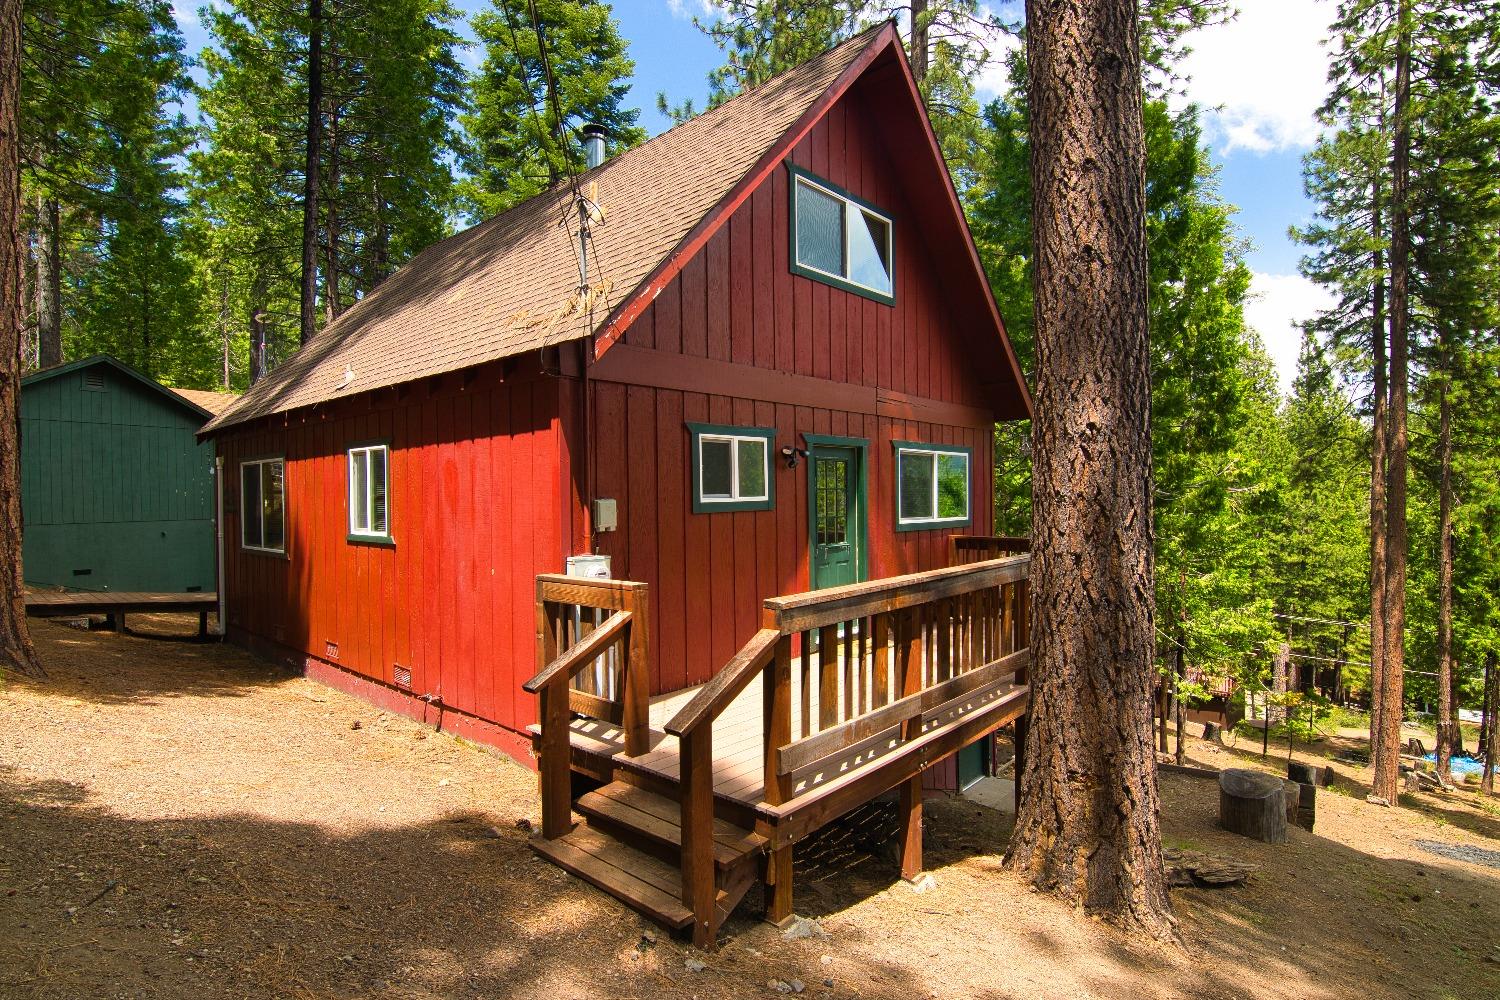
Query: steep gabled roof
509	284
177	396
503	287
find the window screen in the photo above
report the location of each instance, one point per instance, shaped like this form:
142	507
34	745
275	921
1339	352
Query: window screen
841	240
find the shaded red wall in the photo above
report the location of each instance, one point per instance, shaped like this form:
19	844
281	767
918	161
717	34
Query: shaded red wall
738	302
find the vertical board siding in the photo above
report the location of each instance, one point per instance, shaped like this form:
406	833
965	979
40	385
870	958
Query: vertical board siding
114	482
474	493
738	301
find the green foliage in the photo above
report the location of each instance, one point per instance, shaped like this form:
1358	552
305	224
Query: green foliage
100	145
393	87
512	150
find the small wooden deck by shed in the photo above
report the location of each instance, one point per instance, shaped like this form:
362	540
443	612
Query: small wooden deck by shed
678	804
117	604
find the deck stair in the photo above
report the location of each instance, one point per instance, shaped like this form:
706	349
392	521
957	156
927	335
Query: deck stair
630	846
842	695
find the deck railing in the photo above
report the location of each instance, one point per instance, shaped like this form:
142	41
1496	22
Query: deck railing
854	676
964	549
593	659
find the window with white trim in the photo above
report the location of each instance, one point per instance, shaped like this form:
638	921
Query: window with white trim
932	485
369	507
841	240
263	505
731	468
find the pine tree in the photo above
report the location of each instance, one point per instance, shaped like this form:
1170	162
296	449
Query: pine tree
16	652
1087	826
513	150
391	87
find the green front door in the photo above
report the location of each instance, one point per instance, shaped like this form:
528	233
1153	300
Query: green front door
836	478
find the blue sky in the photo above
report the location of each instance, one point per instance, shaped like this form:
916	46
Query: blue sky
1260	78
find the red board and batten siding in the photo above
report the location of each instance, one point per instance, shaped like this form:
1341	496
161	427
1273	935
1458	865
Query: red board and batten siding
477	509
772	341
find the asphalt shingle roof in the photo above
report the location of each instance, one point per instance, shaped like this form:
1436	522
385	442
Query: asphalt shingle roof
509	284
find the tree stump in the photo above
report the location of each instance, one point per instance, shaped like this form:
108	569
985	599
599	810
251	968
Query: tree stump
1253	804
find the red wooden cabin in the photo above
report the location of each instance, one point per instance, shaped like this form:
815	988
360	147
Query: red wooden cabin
781	373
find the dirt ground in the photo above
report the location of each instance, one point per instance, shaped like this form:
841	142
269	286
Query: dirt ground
181	820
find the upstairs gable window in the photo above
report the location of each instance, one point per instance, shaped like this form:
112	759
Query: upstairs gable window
840	240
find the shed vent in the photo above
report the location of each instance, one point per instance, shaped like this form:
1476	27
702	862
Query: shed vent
333	650
93	381
401	675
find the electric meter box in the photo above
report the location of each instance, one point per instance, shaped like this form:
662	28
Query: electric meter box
591	566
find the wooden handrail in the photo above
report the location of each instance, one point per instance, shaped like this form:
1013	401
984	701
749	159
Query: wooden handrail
726	685
818	608
582	654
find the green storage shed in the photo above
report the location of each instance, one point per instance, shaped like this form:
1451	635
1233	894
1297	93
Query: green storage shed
116	491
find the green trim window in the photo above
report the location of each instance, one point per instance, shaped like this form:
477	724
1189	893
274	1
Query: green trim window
263	505
932	486
369	504
841	240
732	468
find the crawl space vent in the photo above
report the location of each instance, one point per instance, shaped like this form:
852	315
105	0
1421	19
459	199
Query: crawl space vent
401	675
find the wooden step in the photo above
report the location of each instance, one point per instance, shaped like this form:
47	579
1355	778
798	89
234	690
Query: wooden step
658	819
640	881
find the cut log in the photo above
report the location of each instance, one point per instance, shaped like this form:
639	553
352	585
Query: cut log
1193	868
1307	774
1253	804
1307	806
1291	792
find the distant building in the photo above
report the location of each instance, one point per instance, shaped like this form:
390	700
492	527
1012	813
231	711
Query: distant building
116	491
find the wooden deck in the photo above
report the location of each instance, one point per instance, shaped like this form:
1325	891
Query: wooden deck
844	694
738	741
117	604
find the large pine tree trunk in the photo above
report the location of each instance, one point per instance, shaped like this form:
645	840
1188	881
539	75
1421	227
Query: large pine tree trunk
1381	398
314	137
1387	755
48	283
1088	828
16	651
1447	724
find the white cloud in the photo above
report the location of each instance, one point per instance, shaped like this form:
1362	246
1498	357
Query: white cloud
1278	304
1263	75
687	9
994	79
186	14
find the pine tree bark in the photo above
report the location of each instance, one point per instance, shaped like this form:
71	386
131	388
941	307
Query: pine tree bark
1447	724
1490	730
16	651
48	283
919	40
1381	408
1387	756
314	137
1179	708
1088	827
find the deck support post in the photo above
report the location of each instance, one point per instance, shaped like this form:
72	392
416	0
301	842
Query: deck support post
636	693
778	880
696	772
555	769
911	827
203	624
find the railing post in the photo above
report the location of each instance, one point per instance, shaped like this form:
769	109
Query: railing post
696	773
776	693
555	767
636	687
